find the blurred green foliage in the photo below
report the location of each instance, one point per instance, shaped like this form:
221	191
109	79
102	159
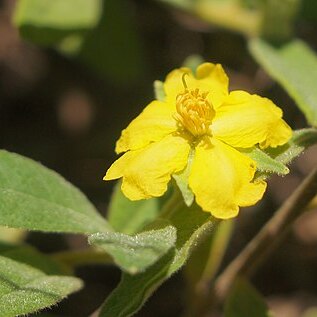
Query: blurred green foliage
117	43
48	22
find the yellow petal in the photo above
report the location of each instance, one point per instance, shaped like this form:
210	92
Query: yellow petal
209	78
213	78
154	123
221	179
173	84
146	172
279	135
251	193
117	169
244	120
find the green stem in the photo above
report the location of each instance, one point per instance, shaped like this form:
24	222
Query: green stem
204	265
83	257
216	254
270	236
172	204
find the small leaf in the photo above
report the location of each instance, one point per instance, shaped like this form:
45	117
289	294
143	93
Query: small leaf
135	253
36	198
264	162
244	301
24	289
182	181
294	66
47	22
159	92
301	140
192	226
128	216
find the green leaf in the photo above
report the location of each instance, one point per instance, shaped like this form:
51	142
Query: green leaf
134	254
47	22
294	66
244	301
192	225
264	162
301	140
30	256
128	216
24	289
36	198
181	180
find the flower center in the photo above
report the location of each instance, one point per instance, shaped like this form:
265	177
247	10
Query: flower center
194	112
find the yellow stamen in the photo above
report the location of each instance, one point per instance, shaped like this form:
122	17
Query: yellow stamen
194	112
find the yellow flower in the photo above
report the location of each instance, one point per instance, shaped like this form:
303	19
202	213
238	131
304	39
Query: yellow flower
201	119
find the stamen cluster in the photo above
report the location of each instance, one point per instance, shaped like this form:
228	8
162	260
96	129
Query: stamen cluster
194	112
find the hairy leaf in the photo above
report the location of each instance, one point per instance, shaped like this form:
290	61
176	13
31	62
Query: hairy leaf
181	179
264	162
192	225
36	198
135	253
24	289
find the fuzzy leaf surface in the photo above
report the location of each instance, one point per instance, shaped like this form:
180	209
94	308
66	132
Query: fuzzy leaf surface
36	198
265	163
24	289
134	254
192	225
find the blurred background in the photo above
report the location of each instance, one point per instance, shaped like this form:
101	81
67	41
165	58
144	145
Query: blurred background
74	73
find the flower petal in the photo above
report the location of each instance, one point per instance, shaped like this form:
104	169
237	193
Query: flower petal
209	78
213	78
146	172
244	120
154	123
118	168
221	179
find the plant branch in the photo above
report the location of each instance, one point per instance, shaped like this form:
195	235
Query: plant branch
268	238
82	257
